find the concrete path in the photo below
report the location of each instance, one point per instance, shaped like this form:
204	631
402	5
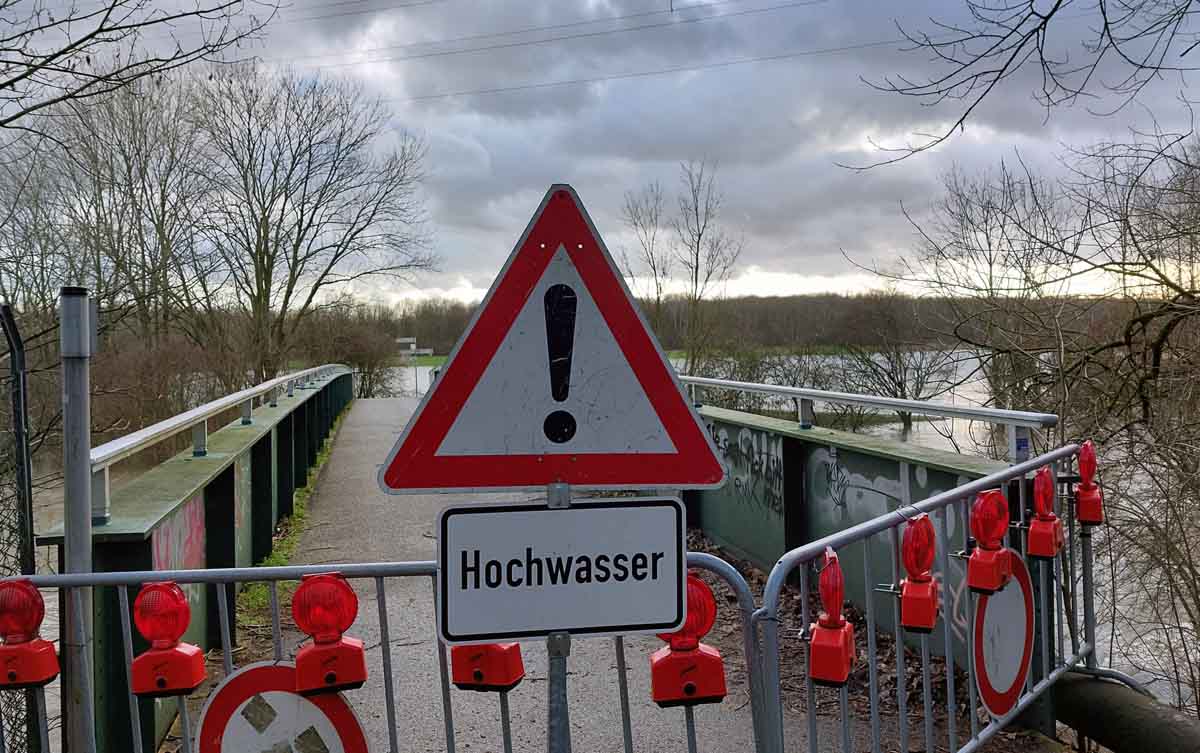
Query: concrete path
352	521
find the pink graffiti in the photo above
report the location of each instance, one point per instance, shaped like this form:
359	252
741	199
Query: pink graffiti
178	543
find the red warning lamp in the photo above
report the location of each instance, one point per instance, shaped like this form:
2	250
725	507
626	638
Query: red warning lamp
989	568
487	667
686	672
831	650
1089	504
1045	530
325	606
919	591
26	661
161	613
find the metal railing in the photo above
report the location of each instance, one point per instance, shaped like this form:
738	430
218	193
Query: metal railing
1058	592
806	397
938	507
196	420
123	447
223	579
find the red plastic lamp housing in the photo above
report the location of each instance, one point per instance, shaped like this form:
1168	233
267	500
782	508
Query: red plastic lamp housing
161	613
831	648
687	672
919	591
325	606
26	660
701	616
1089	504
990	566
487	667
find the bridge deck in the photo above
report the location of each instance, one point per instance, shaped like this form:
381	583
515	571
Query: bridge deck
351	520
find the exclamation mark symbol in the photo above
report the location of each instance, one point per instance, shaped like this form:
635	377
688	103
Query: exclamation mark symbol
560	342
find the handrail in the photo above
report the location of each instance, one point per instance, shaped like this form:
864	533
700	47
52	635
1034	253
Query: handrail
122	447
920	407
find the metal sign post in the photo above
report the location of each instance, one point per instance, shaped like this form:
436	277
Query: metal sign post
558	648
76	347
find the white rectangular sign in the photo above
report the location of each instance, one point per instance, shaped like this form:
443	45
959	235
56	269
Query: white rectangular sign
513	571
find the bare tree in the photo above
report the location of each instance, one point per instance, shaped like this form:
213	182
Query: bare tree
134	192
1065	49
1119	366
313	198
705	251
642	213
895	363
61	52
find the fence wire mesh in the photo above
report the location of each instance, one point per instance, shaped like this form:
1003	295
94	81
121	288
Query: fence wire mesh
15	528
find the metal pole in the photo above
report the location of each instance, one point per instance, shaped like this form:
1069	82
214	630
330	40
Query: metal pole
75	344
558	729
558	647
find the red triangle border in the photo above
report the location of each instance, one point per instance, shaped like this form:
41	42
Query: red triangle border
413	465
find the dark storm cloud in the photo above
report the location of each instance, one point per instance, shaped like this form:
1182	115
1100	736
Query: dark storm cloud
777	128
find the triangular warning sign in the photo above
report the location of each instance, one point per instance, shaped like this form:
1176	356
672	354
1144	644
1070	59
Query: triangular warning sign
557	379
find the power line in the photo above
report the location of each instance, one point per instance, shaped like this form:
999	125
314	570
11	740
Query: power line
648	74
577	36
515	32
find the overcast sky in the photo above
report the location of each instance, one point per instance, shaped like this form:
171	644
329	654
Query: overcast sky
499	133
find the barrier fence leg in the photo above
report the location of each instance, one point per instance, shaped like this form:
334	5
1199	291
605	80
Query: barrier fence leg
558	729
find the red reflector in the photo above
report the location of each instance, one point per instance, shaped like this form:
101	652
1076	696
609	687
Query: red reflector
21	611
1087	463
162	613
989	518
324	606
701	615
1043	493
918	548
832	587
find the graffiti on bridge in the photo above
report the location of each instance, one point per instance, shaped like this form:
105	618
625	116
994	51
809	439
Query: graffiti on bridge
754	460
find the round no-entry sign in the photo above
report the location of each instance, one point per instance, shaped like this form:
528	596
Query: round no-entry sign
1004	641
256	709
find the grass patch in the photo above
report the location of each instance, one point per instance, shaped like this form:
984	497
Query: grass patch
254	602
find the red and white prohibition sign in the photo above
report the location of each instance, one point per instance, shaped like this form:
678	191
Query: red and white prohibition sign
1004	641
257	709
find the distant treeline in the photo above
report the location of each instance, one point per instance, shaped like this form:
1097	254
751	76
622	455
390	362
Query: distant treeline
779	322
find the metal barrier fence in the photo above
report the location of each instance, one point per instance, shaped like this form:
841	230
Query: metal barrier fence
1063	583
379	573
1053	662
